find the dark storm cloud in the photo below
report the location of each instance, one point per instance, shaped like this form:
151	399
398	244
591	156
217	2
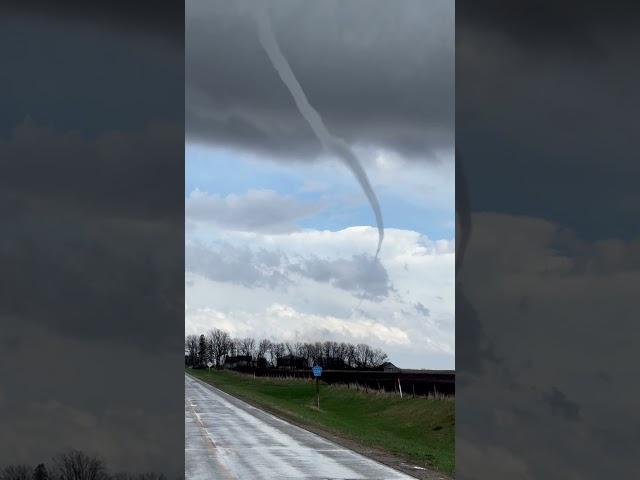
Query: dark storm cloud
92	285
87	192
75	207
145	16
548	358
563	76
561	405
87	396
91	201
546	107
59	167
556	28
378	73
76	76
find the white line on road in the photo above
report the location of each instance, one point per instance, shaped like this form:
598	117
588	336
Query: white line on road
226	438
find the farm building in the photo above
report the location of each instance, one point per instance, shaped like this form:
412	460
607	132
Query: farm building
292	361
389	367
238	361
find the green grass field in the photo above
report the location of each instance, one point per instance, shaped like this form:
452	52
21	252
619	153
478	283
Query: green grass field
418	429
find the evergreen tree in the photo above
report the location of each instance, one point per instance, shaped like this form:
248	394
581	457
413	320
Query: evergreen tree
40	472
202	350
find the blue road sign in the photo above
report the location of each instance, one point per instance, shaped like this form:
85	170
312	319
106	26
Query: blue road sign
317	371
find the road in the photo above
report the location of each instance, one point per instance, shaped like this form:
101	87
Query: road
227	439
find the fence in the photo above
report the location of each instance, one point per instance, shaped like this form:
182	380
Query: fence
416	382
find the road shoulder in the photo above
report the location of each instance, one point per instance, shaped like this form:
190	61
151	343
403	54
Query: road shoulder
394	461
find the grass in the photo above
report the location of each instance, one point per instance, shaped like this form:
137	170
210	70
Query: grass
420	430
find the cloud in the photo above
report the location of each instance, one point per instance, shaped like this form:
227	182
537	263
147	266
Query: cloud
255	211
108	412
560	404
538	369
324	287
341	243
360	273
496	462
420	308
507	64
380	76
91	252
131	18
550	280
59	167
572	26
237	265
282	323
89	290
72	234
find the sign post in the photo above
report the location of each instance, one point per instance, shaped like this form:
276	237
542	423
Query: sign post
317	371
209	365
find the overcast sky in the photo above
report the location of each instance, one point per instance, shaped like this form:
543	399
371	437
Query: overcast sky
280	239
91	198
546	96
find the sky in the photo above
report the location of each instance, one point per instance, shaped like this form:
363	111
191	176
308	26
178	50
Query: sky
546	310
92	242
91	154
280	238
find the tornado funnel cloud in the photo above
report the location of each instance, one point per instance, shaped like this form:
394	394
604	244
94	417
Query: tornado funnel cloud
332	144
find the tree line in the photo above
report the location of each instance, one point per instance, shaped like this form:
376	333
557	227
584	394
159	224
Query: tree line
71	465
217	345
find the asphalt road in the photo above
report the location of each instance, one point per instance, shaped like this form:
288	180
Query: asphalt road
226	439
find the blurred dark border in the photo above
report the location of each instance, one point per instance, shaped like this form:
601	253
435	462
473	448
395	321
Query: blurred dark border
548	240
92	249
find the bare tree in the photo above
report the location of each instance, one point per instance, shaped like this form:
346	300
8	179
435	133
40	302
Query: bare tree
378	357
306	352
220	341
76	465
277	351
191	348
272	354
351	355
295	349
73	465
247	346
263	348
234	348
316	352
363	355
218	344
342	351
289	348
15	472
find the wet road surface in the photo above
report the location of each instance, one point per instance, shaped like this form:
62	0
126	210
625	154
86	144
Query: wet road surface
226	439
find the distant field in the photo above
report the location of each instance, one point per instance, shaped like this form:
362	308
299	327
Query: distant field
418	382
418	429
